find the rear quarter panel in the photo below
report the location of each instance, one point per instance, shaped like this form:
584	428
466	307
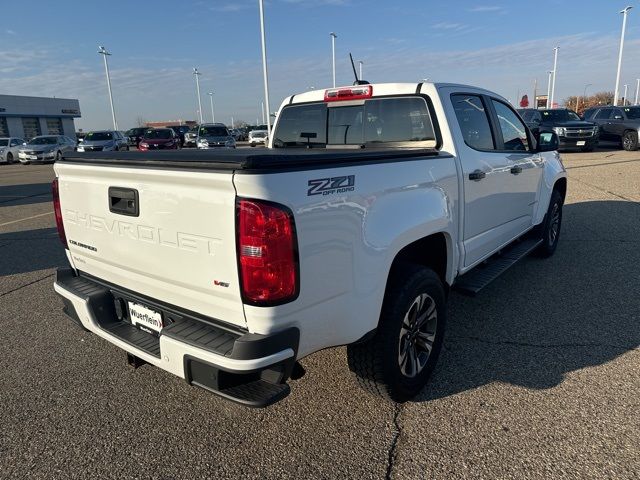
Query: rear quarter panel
348	240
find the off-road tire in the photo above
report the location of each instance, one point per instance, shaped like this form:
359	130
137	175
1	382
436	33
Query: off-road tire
549	239
376	361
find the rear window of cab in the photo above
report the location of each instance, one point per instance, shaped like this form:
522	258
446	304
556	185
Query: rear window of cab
387	121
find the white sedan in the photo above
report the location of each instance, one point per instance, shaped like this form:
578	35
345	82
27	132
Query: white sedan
9	149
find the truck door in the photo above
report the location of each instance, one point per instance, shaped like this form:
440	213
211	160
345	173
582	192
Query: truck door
499	192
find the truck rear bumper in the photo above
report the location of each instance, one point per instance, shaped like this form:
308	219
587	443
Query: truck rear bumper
247	368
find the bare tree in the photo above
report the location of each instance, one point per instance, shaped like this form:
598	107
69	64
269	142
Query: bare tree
600	98
141	121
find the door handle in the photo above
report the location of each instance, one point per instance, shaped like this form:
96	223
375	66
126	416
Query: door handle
477	175
516	170
124	201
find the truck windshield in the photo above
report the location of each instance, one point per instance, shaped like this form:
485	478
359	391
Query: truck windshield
559	115
375	122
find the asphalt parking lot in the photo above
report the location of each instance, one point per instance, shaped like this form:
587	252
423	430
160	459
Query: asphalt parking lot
540	376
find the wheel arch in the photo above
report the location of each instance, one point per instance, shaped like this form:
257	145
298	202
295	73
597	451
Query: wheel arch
432	251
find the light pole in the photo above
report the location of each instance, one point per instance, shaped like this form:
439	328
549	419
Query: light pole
213	115
103	51
262	110
549	88
584	95
555	70
264	64
333	56
637	90
360	63
196	74
624	13
624	97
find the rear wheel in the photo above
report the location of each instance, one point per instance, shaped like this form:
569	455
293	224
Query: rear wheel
398	360
630	141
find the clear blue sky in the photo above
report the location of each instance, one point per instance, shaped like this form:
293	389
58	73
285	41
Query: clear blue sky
49	48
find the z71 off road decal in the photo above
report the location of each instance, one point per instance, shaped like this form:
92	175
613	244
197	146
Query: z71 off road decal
328	186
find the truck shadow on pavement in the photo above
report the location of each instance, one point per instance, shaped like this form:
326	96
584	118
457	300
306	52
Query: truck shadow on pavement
546	318
30	251
26	194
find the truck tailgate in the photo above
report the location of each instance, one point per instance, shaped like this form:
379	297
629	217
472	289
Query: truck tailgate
166	234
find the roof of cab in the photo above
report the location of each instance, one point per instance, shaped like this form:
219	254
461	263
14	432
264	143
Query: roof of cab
381	89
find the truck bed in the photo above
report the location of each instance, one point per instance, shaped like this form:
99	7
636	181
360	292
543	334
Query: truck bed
245	159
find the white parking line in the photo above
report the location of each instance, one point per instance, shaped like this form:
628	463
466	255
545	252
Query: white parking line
23	219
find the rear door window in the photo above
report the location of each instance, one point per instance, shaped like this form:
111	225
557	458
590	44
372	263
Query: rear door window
474	121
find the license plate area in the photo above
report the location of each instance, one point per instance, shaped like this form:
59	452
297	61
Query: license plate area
145	318
580	143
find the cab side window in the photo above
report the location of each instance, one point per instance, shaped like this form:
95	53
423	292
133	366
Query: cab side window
514	133
474	121
617	114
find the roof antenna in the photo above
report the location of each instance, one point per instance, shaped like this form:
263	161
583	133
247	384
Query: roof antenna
355	74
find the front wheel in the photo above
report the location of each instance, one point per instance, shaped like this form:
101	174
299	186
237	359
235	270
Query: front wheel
630	141
398	360
9	157
551	226
58	156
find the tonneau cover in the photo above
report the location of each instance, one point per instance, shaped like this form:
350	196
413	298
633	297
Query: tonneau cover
245	159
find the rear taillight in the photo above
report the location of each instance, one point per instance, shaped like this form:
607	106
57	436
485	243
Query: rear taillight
267	253
58	212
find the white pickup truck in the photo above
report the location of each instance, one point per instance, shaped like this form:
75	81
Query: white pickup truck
371	204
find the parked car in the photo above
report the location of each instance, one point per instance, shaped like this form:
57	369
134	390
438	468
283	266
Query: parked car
134	135
180	131
45	148
572	131
617	124
159	139
190	137
103	140
257	137
226	270
9	148
214	135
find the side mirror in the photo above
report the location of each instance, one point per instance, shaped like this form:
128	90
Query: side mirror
547	142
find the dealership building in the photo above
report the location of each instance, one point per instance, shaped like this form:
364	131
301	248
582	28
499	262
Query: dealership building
28	117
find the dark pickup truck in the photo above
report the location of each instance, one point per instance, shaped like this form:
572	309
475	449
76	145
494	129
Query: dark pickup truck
572	131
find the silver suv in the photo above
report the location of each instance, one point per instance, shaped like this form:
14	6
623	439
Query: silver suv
103	140
214	135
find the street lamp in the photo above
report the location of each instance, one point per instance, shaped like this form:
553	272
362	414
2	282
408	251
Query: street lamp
624	97
196	74
584	96
213	115
333	55
360	63
555	70
264	64
549	72
103	51
637	90
624	13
